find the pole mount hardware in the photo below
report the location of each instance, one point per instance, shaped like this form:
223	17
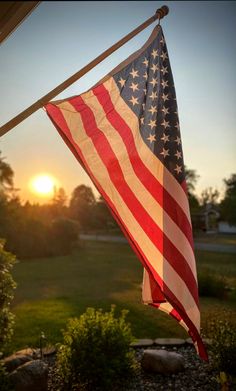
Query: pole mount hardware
163	11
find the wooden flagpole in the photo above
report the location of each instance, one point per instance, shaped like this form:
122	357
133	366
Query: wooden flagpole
160	13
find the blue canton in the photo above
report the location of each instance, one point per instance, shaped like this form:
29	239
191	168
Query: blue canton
147	87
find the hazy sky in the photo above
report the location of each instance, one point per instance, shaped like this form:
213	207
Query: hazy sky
59	38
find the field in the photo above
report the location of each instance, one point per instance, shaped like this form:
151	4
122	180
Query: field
49	291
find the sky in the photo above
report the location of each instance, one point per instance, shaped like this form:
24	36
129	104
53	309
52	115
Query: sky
59	38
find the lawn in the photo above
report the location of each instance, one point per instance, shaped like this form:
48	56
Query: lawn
216	238
51	290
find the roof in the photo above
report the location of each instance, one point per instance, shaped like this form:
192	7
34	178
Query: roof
12	13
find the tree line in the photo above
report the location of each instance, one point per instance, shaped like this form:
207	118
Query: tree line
34	230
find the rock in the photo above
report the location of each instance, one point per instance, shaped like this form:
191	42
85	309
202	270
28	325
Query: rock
15	360
207	341
169	341
31	376
161	361
140	343
189	341
34	353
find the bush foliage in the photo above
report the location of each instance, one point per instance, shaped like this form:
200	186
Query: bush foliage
223	347
96	351
211	285
7	286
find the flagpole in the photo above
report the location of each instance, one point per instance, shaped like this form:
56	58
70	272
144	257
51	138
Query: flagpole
160	13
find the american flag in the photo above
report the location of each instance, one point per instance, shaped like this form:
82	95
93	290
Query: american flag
125	133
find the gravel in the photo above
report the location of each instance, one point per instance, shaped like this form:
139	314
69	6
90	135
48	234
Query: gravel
197	376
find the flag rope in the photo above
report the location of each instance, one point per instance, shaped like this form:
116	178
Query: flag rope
160	13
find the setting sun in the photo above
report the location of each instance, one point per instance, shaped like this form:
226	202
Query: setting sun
43	184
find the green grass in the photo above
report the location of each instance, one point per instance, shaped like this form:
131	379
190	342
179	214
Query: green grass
51	290
216	238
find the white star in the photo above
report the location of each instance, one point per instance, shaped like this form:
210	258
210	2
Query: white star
134	73
178	169
134	101
162	40
165	138
165	110
165	97
152	124
164	56
142	120
122	82
178	155
153	95
145	62
153	82
177	126
145	91
143	104
151	137
153	109
165	152
165	124
145	75
164	70
164	83
134	87
154	67
178	140
154	53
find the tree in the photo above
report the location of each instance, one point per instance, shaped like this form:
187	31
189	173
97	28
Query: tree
81	205
209	196
6	176
64	234
58	206
191	178
228	205
102	217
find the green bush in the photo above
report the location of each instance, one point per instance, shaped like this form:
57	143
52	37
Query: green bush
211	285
96	352
223	346
4	380
7	286
64	234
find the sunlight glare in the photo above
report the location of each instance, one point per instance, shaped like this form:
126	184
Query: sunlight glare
43	184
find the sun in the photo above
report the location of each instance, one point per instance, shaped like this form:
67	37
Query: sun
43	184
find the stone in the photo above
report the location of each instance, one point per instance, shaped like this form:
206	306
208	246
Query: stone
31	376
15	360
34	353
169	341
141	343
189	341
162	361
207	341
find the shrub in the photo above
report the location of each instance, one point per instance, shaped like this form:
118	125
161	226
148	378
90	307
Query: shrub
7	286
96	351
211	285
4	380
64	233
223	347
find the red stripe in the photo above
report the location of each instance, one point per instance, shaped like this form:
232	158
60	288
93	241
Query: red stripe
55	114
156	235
161	195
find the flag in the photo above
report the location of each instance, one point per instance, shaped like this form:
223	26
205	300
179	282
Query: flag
125	133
